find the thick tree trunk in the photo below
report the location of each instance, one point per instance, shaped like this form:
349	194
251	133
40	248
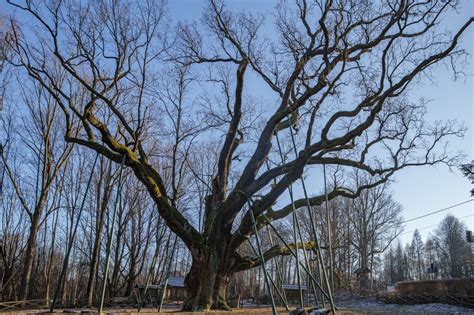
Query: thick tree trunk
200	284
210	273
207	285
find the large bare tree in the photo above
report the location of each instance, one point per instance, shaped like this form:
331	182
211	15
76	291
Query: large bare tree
338	71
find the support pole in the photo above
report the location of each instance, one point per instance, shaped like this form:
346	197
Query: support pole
295	238
304	252
262	260
328	219
167	274
308	272
151	270
109	241
278	271
280	294
313	228
259	253
73	236
2	168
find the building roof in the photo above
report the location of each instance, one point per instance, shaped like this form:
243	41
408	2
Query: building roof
176	282
149	287
294	287
362	270
173	282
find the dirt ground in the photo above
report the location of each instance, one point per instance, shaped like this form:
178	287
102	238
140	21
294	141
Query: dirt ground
130	311
347	306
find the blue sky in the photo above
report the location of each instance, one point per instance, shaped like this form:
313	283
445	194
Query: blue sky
424	189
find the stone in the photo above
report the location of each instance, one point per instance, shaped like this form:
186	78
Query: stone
318	311
299	311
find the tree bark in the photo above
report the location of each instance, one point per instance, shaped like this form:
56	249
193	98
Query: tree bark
132	274
364	281
94	264
206	285
211	272
30	253
102	202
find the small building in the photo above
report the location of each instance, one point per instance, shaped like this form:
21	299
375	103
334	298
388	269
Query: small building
362	277
152	295
292	291
175	289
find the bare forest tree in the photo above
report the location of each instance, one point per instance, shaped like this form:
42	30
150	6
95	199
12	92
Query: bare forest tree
453	250
132	87
376	222
362	228
36	158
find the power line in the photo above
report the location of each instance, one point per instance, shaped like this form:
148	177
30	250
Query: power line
430	226
440	210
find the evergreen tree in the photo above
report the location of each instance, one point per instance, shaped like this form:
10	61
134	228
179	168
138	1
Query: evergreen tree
418	252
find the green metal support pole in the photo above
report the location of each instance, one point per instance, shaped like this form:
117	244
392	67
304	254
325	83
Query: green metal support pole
260	254
73	236
304	252
168	272
321	268
278	270
262	260
313	228
151	270
295	238
294	255
109	241
280	294
328	219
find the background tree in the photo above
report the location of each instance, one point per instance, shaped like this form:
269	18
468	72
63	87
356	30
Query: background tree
451	245
376	222
35	162
468	171
339	71
418	249
444	255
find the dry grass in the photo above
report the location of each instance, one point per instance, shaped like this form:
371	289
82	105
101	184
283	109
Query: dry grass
130	311
245	311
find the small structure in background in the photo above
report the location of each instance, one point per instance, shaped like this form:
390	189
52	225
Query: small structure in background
175	290
152	295
362	278
292	292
